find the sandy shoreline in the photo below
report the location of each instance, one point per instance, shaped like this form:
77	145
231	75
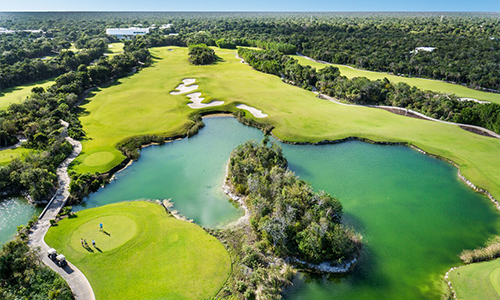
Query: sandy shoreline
254	111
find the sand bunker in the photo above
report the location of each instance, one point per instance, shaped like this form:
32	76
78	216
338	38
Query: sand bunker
185	87
195	98
255	112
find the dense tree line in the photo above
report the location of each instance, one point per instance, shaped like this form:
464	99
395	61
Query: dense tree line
201	54
17	47
22	275
361	90
27	71
286	213
467	45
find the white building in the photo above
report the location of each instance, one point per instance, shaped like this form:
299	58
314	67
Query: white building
166	26
426	49
127	32
5	30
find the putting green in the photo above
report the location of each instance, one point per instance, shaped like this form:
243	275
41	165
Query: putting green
141	104
421	83
477	281
98	158
118	231
144	253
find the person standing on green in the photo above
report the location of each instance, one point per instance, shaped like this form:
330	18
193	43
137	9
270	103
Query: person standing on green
100	226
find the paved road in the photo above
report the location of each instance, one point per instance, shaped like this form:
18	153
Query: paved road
77	281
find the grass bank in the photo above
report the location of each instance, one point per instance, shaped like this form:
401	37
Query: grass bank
421	83
19	93
6	156
141	104
477	281
143	253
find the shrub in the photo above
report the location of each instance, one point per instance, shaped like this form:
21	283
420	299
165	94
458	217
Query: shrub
200	54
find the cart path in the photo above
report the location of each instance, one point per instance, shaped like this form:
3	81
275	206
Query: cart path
78	283
422	116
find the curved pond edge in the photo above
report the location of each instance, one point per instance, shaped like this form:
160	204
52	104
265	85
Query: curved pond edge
250	122
354	138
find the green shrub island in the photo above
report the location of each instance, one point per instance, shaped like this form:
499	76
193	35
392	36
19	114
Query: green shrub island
294	221
200	54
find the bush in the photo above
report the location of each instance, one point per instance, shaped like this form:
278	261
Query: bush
489	252
200	54
225	43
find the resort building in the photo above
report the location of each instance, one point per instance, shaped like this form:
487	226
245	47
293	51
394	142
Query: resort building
126	32
426	49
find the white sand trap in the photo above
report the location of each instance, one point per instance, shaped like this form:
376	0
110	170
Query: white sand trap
195	98
255	112
185	87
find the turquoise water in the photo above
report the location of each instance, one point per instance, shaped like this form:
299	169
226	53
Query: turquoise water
14	212
413	212
188	171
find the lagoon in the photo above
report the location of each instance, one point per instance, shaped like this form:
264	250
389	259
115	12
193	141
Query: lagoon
414	213
14	212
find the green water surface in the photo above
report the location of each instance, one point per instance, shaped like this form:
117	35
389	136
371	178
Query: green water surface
413	212
14	212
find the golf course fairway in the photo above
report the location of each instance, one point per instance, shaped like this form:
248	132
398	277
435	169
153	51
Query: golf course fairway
421	83
477	281
142	253
19	93
141	104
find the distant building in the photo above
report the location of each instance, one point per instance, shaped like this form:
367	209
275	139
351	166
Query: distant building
166	26
426	49
5	31
126	32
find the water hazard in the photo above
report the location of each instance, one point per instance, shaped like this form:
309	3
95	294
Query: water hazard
412	210
14	212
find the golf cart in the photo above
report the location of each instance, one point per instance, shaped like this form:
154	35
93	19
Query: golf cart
52	253
61	260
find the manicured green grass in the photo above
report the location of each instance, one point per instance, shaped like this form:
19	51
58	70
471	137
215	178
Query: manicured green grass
19	93
421	83
7	155
115	48
141	104
143	253
477	281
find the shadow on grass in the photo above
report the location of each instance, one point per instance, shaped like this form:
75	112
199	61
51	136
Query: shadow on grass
97	248
106	233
